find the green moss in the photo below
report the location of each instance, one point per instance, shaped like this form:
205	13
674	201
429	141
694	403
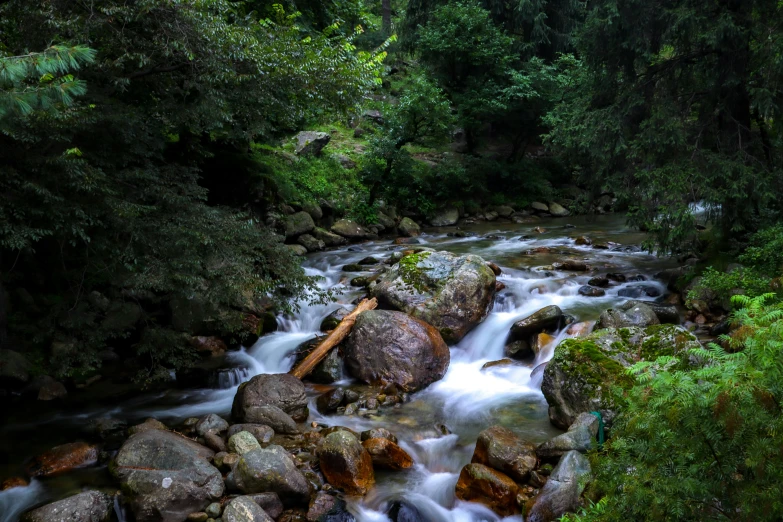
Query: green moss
412	274
586	360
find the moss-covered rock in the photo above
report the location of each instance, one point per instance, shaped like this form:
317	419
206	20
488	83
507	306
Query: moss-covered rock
452	293
588	374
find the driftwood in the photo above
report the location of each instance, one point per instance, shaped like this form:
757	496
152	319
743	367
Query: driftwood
333	339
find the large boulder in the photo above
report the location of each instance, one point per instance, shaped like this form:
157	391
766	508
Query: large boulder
547	319
408	227
351	230
638	314
311	143
330	239
298	224
166	476
452	293
279	390
482	484
272	469
244	509
557	210
666	313
445	217
90	506
387	347
310	243
585	373
561	493
387	454
345	463
498	448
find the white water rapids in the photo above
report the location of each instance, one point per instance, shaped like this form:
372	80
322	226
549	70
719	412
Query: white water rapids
467	400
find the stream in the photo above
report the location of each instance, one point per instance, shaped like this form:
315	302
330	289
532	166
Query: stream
467	400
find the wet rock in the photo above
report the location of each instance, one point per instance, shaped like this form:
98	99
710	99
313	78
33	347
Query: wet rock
346	464
311	143
600	282
211	422
591	291
583	241
408	228
272	470
571	265
13	482
500	449
242	442
328	402
378	433
327	508
388	347
351	230
445	218
548	318
199	516
639	314
148	424
639	291
214	441
353	267
580	329
666	314
452	293
557	210
402	511
583	373
298	224
261	432
213	510
280	391
561	493
90	506
244	509
329	239
269	502
502	363
208	345
61	459
541	341
579	437
617	278
330	369
311	243
540	207
332	320
519	349
386	454
482	484
50	389
166	476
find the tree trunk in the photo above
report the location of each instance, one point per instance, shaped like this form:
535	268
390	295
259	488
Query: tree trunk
332	340
386	16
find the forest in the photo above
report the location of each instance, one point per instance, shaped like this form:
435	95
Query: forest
167	165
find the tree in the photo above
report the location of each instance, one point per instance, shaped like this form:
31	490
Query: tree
676	103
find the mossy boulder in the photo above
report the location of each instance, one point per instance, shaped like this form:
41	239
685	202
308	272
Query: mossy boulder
586	374
452	293
298	224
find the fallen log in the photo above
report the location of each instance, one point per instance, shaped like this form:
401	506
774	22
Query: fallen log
333	339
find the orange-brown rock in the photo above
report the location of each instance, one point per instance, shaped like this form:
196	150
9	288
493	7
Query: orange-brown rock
541	341
580	329
13	482
211	346
61	459
482	484
387	455
346	464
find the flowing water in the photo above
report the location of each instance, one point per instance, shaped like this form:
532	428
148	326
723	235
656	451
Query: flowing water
466	401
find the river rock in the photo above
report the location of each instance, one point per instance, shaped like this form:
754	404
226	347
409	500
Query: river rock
279	390
561	493
636	291
261	432
330	239
311	143
579	437
269	502
452	293
639	314
298	224
50	389
482	484
148	424
346	464
90	506
328	508
548	318
311	243
408	227
211	422
591	291
329	401
61	459
332	320
378	433
272	469
539	207
582	373
244	509
519	349
14	369
666	314
387	455
500	449
387	347
297	250
166	476
242	442
330	369
402	511
314	209
557	210
351	230
445	218
598	281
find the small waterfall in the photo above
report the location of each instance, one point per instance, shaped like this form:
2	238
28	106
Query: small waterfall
15	501
231	377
